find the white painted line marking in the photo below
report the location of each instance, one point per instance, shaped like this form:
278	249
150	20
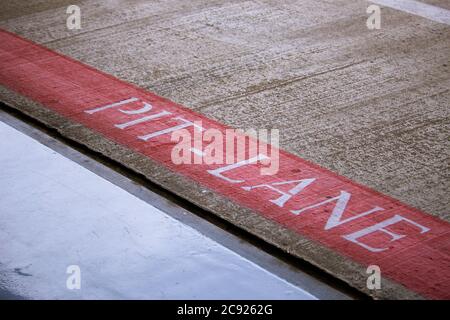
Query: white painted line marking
417	8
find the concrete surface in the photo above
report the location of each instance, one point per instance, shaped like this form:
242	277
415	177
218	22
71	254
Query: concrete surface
372	105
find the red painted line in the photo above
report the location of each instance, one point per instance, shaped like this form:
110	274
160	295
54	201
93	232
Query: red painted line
410	246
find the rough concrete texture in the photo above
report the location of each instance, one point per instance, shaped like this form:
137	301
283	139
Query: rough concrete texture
370	105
